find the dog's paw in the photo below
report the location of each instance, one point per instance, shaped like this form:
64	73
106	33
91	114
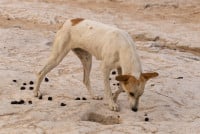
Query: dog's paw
37	93
114	107
114	96
97	98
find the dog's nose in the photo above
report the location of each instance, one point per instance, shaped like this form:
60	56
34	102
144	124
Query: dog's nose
134	109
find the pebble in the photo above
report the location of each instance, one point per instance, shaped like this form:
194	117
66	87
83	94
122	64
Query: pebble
62	104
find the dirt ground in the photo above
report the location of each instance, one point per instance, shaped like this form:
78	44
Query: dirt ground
166	34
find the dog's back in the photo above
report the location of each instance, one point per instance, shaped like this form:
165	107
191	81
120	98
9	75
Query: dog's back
95	37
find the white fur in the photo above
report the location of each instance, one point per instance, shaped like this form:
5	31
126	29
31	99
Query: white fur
114	47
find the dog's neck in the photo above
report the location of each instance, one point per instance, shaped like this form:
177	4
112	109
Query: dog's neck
131	64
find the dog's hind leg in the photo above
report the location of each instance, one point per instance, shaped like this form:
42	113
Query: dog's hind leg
60	49
86	60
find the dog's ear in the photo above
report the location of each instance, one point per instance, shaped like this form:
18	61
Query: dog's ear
123	78
148	76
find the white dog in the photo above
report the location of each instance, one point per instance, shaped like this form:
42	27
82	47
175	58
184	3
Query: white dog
114	47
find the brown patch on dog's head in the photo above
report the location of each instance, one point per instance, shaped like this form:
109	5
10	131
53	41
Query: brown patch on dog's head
76	21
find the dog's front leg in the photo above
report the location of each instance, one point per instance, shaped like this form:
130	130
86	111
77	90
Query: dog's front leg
107	90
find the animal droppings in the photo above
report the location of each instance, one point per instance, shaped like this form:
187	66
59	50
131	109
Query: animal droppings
31	88
14	80
40	97
31	82
62	104
77	98
113	72
146	119
22	88
14	102
29	102
50	98
24	84
46	79
84	98
179	78
21	102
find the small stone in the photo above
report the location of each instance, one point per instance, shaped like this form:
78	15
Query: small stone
113	72
31	82
84	98
146	119
40	97
22	88
31	88
29	102
14	102
14	80
24	84
50	98
77	98
62	104
46	79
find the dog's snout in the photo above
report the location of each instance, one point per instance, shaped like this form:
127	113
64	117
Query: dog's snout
134	109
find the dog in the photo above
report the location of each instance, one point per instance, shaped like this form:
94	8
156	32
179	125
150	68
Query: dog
114	47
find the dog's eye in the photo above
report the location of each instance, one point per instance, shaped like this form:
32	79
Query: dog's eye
132	94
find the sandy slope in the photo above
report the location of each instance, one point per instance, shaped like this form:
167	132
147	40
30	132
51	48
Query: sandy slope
166	35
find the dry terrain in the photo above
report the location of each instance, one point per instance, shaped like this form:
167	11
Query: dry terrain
167	37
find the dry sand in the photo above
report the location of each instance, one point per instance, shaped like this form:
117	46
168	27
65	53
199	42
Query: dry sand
166	34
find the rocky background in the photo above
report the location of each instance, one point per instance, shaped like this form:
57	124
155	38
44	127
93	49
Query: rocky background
167	36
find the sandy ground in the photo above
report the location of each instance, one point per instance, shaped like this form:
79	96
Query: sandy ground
166	34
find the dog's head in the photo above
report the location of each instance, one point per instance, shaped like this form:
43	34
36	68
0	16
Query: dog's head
134	87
